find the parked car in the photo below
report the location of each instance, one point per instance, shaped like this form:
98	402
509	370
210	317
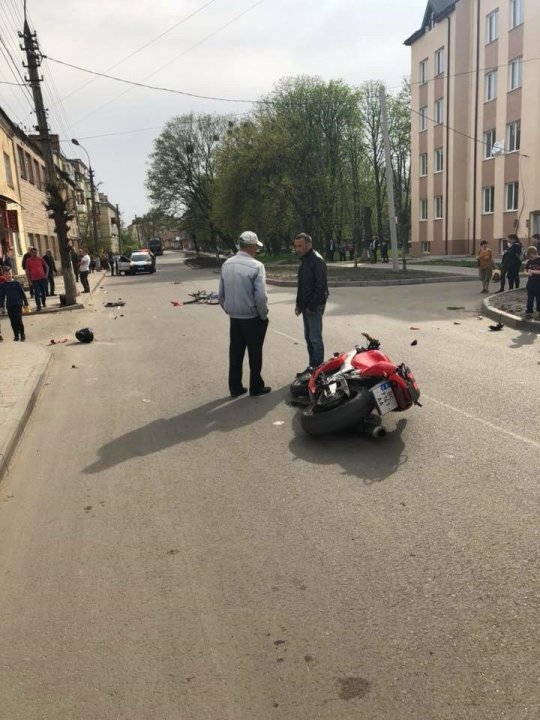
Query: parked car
124	266
142	261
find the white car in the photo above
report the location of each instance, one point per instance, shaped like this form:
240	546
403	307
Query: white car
123	265
142	261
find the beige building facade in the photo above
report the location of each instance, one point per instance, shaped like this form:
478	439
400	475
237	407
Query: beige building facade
475	130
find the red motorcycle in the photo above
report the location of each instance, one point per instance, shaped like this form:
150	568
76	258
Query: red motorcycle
354	389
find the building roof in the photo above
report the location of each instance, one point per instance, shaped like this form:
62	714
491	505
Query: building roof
436	10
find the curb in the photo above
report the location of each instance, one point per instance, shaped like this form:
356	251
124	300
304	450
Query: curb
68	308
513	321
380	283
12	429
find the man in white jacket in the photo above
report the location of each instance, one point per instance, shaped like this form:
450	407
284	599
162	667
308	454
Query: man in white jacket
242	294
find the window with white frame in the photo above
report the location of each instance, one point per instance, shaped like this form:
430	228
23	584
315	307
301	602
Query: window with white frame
511	191
516	13
488	199
423	74
423	209
515	73
439	160
438	115
426	247
513	136
423	118
423	164
489	142
438	207
491	85
439	61
492	26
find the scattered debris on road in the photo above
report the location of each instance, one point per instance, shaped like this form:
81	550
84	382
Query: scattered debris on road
58	342
118	303
414	342
495	328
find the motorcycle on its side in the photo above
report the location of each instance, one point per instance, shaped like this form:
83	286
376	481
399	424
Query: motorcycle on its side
354	390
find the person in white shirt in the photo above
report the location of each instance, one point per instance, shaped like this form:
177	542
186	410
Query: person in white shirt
84	269
242	294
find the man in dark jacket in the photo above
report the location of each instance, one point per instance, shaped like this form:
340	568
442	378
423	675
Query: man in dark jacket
513	262
311	296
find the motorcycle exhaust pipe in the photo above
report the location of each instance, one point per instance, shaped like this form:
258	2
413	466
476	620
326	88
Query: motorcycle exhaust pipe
376	431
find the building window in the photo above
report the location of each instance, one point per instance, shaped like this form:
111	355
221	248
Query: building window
29	168
426	247
438	111
516	13
423	209
488	200
439	160
423	74
491	85
515	73
513	136
37	172
489	142
439	61
79	194
423	165
492	26
22	163
438	209
423	118
511	196
7	167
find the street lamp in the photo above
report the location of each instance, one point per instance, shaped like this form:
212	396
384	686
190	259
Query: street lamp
92	198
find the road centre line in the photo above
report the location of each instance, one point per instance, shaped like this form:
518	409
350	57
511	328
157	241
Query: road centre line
488	424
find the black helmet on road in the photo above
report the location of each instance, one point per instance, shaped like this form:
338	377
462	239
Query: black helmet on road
84	335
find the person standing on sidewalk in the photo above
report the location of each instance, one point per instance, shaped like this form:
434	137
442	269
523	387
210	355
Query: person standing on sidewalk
242	294
532	268
84	269
13	297
37	272
49	259
513	262
485	265
311	297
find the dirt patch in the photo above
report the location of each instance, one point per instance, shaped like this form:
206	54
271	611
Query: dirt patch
204	262
513	302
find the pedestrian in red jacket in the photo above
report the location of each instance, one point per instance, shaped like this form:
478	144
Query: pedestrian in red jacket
37	272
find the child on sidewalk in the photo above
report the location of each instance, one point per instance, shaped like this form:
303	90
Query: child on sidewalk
532	268
13	297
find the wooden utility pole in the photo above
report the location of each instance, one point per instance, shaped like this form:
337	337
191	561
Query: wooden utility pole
389	180
57	200
119	226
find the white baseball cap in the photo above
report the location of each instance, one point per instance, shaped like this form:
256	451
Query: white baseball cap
250	238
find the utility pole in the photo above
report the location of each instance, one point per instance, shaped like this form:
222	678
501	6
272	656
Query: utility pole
119	226
93	210
389	180
57	201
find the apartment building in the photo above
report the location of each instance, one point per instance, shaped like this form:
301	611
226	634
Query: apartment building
475	139
108	224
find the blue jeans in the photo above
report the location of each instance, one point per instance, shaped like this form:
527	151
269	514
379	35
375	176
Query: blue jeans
40	291
313	335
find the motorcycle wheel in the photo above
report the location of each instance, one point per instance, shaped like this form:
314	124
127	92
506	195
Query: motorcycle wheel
299	386
316	421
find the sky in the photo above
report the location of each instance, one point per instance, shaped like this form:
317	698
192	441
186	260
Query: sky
236	49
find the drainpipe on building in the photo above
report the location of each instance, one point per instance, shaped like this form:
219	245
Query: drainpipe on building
475	151
447	152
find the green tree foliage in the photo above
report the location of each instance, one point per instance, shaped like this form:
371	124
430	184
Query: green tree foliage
308	158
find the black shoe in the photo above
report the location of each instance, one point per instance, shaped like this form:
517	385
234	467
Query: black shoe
260	391
242	391
304	372
38	309
23	337
16	338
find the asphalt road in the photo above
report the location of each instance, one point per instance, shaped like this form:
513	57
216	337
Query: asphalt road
169	554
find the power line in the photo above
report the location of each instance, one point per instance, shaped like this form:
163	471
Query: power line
143	47
149	87
184	52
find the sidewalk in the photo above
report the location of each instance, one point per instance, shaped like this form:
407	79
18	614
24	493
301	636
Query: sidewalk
24	369
53	303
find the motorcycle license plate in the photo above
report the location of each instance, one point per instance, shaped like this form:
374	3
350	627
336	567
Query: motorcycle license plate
384	397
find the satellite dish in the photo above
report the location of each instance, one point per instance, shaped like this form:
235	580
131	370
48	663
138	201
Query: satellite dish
498	148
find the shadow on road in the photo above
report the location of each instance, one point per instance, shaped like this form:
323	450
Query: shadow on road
360	455
524	338
222	415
